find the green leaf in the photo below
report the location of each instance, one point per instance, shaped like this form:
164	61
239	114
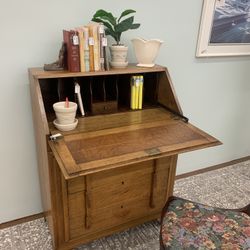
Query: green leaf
106	24
125	13
118	35
103	14
124	25
135	26
112	33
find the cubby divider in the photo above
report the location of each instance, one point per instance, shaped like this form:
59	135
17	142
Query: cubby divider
100	94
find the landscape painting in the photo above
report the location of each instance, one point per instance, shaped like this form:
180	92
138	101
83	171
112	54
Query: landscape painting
225	28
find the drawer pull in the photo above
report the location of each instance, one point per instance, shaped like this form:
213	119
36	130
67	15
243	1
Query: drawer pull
87	203
88	207
153	185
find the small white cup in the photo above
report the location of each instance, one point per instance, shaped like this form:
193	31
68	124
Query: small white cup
65	115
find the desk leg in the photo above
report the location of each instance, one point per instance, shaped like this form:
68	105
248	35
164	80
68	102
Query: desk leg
65	208
172	174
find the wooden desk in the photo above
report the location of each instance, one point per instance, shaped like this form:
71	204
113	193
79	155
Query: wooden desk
115	170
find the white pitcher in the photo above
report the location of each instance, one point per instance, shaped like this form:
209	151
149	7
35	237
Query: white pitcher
146	51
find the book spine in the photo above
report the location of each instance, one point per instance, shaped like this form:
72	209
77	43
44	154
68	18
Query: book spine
96	47
86	48
73	58
106	61
102	46
137	83
81	49
132	96
140	91
66	40
91	49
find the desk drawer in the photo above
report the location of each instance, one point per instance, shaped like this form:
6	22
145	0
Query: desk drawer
110	198
104	107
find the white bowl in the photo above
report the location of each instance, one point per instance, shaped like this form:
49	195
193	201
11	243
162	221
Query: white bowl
65	127
65	115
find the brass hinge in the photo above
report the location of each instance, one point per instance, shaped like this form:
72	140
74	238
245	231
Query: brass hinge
152	151
56	137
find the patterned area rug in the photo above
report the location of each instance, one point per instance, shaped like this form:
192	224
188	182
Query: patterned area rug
227	187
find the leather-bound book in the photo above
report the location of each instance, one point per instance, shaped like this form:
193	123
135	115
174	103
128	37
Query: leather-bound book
71	40
81	48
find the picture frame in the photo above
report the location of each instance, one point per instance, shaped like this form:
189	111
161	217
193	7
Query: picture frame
224	28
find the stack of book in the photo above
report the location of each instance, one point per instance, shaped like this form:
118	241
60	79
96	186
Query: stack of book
136	92
86	48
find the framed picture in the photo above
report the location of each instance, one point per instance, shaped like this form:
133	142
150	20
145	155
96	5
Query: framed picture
224	28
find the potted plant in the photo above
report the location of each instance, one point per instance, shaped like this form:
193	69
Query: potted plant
114	27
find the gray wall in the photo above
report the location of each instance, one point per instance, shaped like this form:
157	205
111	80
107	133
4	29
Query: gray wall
214	93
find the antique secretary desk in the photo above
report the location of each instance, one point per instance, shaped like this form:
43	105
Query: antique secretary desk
117	168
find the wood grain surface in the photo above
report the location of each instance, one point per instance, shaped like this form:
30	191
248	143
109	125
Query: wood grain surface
86	152
114	170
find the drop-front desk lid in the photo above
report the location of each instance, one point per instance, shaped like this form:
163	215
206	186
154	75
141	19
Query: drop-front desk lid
108	141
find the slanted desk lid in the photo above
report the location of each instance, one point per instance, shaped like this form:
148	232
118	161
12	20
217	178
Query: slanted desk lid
92	151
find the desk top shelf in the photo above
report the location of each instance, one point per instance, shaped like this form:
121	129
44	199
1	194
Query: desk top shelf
39	73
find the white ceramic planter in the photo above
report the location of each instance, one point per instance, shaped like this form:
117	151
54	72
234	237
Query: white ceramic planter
146	51
65	115
66	127
118	56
